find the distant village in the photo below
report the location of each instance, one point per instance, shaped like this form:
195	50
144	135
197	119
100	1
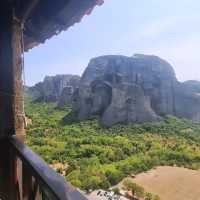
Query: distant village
126	190
106	195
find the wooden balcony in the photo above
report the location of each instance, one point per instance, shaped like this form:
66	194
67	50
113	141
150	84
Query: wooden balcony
35	180
23	25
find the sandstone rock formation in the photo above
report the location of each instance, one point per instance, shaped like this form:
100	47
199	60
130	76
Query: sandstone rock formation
66	97
187	100
134	89
57	88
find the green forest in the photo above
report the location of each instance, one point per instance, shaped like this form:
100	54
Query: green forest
98	157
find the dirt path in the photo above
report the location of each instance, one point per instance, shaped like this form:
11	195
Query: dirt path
171	183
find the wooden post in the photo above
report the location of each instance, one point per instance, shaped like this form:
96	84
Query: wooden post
27	183
18	100
11	101
6	74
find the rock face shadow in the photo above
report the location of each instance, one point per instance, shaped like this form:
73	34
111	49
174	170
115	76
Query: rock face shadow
135	89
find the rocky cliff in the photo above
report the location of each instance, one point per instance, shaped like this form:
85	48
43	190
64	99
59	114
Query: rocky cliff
134	89
59	88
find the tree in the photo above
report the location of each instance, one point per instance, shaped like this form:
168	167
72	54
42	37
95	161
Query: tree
116	190
91	183
156	197
149	196
138	191
114	176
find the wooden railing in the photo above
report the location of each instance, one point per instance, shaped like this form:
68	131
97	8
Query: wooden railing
39	181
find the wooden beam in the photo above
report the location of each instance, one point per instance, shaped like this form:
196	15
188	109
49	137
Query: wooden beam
8	186
6	73
18	100
11	101
31	6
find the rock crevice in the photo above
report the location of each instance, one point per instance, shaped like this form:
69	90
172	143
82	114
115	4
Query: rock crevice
59	89
134	89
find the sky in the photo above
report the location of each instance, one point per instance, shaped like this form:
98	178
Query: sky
169	29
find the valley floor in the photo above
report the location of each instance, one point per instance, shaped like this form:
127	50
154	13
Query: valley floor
92	157
171	183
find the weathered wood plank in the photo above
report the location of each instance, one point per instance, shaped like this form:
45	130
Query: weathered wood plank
18	101
52	184
8	183
11	101
6	73
27	183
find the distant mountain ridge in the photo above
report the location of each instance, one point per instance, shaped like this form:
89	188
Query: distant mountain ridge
120	89
55	89
141	88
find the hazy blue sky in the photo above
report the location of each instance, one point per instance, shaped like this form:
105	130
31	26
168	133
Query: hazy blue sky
167	28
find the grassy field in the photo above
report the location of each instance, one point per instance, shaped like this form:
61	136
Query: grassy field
97	157
172	183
